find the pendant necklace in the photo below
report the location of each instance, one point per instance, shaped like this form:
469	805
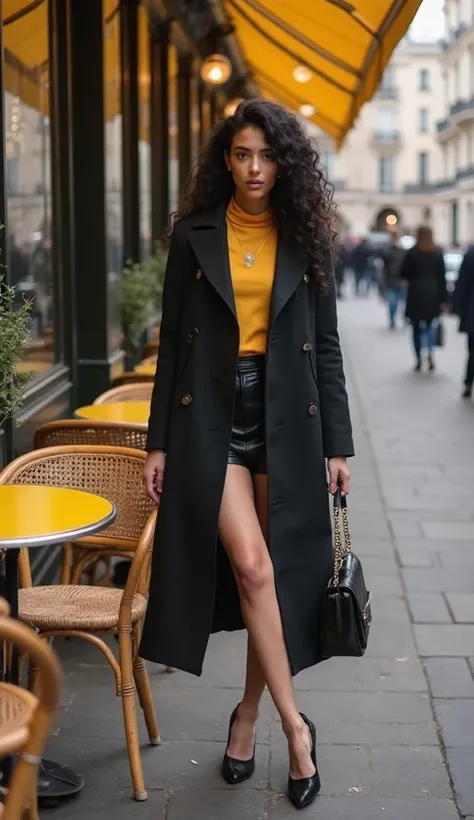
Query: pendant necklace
250	258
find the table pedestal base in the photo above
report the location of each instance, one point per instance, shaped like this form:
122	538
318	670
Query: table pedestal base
56	781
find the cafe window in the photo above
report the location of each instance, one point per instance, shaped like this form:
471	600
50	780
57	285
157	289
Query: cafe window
113	161
173	127
28	182
144	133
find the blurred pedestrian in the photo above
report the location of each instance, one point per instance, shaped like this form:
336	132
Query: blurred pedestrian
463	305
361	256
340	262
424	270
394	288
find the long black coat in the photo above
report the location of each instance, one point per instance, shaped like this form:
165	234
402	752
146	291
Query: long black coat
192	590
426	276
463	302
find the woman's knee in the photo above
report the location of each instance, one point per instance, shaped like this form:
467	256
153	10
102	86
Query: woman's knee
254	574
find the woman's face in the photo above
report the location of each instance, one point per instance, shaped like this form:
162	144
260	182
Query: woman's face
252	165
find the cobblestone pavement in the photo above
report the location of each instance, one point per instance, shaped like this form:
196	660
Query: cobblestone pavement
395	728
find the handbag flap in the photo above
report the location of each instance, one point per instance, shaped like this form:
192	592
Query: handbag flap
351	578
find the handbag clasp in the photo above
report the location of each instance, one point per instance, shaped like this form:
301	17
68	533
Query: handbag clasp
365	614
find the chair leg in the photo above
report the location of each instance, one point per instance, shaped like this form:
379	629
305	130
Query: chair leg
33	678
145	697
32	809
130	716
66	564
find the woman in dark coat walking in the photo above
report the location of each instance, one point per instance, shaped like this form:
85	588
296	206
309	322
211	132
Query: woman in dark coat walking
423	268
249	401
463	305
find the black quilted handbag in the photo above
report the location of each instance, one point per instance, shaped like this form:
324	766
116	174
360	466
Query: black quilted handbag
347	614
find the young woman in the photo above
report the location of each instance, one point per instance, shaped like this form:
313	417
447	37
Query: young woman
249	400
423	268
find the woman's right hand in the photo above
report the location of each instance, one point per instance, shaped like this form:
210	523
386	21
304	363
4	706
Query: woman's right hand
153	474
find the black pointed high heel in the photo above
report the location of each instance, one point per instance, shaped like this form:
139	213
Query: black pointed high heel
303	791
232	770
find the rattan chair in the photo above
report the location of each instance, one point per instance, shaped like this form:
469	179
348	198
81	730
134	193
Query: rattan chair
149	360
25	718
151	348
83	431
84	611
132	378
137	391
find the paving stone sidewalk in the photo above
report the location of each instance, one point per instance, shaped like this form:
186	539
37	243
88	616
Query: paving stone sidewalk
395	728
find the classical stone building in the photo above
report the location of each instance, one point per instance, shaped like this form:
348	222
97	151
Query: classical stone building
454	192
391	157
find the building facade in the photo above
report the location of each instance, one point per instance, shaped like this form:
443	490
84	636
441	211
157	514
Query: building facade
454	192
391	157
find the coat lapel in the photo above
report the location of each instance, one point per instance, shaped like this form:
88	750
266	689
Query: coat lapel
208	238
290	268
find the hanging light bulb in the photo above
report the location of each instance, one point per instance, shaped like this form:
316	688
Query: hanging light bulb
216	69
302	74
307	110
231	106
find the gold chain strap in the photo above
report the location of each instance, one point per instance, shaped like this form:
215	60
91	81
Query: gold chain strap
338	550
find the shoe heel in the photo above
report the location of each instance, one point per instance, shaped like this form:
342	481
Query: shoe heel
303	791
236	771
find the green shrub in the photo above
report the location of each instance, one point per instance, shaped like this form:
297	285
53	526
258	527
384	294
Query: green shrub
141	287
14	335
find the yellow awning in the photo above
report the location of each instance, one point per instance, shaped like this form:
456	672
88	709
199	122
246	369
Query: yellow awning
25	36
346	47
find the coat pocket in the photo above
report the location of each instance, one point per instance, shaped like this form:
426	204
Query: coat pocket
186	354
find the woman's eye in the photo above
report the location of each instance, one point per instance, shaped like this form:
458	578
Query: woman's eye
241	155
268	157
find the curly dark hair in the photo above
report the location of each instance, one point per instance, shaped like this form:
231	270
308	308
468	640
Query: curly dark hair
301	198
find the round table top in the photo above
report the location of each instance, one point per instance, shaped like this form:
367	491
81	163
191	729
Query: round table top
145	369
34	515
134	412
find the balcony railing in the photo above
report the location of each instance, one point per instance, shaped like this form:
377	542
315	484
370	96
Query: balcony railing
441	184
418	187
387	137
461	106
465	173
442	125
387	92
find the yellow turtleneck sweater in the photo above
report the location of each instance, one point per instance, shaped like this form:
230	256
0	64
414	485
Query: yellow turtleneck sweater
252	286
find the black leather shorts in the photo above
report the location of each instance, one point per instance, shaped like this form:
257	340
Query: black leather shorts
247	444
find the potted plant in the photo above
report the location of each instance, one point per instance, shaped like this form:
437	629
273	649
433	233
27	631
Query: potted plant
140	291
14	335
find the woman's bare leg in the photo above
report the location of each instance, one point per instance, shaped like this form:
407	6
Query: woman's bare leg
242	537
242	740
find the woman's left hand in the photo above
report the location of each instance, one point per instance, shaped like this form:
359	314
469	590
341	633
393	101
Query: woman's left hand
339	474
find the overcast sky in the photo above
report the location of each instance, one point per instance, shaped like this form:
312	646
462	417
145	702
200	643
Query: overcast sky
428	23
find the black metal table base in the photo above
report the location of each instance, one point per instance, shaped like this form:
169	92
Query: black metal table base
56	782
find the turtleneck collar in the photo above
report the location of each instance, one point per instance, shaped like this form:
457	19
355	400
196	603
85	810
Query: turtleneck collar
241	219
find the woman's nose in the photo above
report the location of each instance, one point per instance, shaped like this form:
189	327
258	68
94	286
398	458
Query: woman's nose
255	166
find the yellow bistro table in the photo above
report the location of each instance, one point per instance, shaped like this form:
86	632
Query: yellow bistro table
145	369
35	516
134	412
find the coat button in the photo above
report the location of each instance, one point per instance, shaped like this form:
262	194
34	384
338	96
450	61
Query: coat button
312	410
198	274
306	278
186	399
307	347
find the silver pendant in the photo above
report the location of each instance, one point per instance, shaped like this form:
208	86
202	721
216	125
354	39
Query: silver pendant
249	260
